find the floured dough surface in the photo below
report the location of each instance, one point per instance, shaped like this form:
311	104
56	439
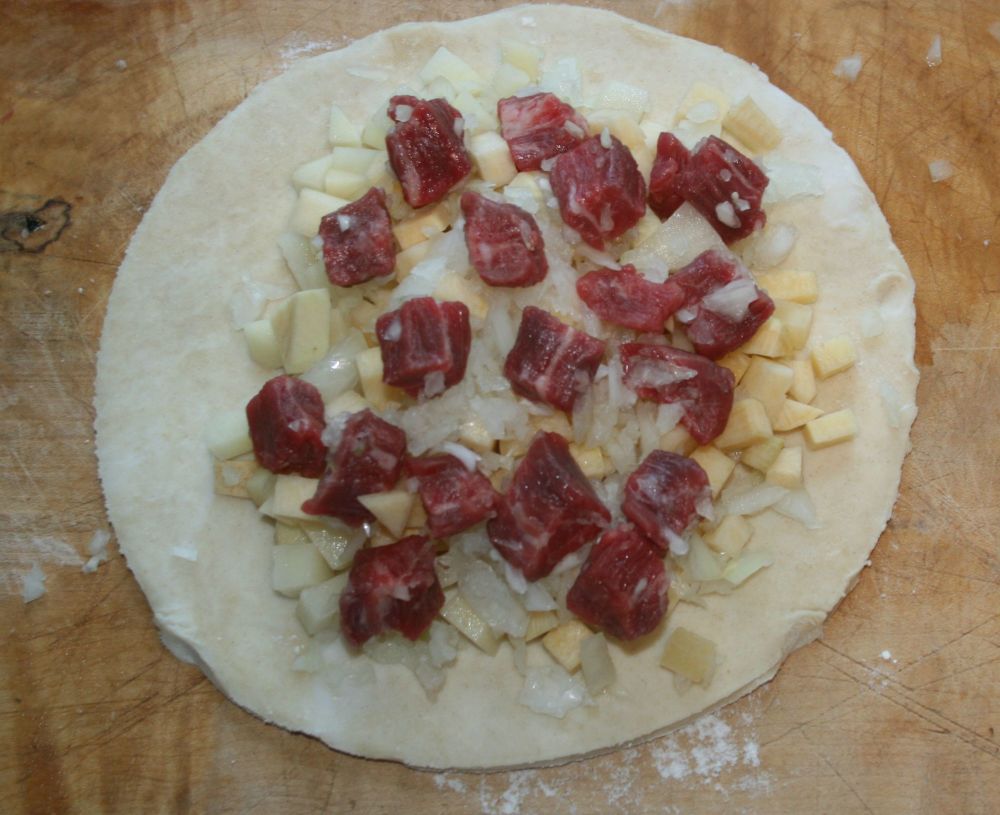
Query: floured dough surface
170	361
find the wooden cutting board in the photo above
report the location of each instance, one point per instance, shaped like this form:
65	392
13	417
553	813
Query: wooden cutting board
894	710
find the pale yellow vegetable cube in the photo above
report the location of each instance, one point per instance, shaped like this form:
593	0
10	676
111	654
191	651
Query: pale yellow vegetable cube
302	260
391	509
456	288
748	425
678	441
563	643
285	534
492	158
737	362
618	124
751	125
554	423
700	93
787	469
228	434
473	433
347	402
540	622
509	79
450	66
341	131
362	316
338	543
803	381
344	184
460	614
310	208
231	477
795	414
296	567
308	337
595	660
376	129
690	655
832	428
717	466
425	224
768	341
418	516
290	491
522	55
319	605
357	159
796	321
647	225
408	258
477	117
833	357
730	536
338	326
761	456
311	173
260	486
798	287
262	343
369	364
767	382
591	461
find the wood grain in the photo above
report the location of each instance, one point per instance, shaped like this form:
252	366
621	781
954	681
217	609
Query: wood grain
97	100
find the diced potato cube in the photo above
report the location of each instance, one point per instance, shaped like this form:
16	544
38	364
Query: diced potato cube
554	423
620	125
342	131
309	210
798	287
302	261
262	343
290	491
344	184
737	362
690	655
748	425
492	158
509	79
391	509
522	55
285	534
768	341
357	159
751	125
761	456
595	660
832	428
794	415
228	434
260	486
231	477
540	622
362	315
423	225
456	288
833	357
369	364
698	95
767	382
796	321
678	441
478	119
347	402
297	566
473	433
338	326
787	469
647	225
460	614
375	129
408	258
730	536
319	605
452	67
717	466
563	643
308	337
311	173
338	543
803	381
418	516
591	461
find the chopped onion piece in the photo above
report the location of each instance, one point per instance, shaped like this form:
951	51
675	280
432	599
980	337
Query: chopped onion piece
798	506
934	52
702	562
462	453
849	67
595	662
491	599
772	246
336	373
747	564
536	598
551	691
732	300
753	500
940	170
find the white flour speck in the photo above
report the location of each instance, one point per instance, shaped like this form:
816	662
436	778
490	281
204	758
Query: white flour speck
18	554
454	784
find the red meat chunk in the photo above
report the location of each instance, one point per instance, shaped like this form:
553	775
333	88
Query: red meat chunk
622	587
663	495
549	510
454	496
357	241
539	127
425	147
723	308
550	361
665	196
367	459
600	190
505	244
286	426
627	298
394	587
425	345
726	187
661	373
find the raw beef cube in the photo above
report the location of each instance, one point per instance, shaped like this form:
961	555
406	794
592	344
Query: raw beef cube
454	496
665	195
664	495
628	299
549	510
357	241
505	244
539	127
286	427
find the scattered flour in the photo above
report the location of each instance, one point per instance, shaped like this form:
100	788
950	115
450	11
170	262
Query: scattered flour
663	4
940	170
19	555
97	549
454	784
994	29
849	67
32	584
299	48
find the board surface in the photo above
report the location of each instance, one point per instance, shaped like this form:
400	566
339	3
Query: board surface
895	710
